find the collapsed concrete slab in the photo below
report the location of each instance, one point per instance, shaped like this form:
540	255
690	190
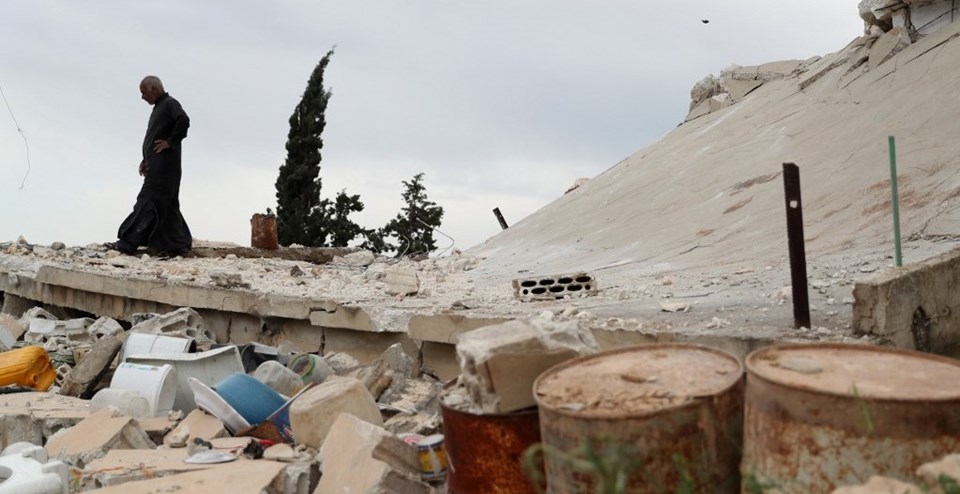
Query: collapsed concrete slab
499	363
238	477
913	306
35	417
96	435
361	457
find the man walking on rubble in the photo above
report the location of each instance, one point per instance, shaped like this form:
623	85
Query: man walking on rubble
156	221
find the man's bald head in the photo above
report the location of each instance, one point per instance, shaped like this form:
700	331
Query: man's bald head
151	89
152	81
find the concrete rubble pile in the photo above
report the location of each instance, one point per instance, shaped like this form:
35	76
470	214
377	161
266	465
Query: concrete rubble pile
92	406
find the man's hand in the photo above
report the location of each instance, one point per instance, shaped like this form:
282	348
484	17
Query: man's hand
160	144
143	167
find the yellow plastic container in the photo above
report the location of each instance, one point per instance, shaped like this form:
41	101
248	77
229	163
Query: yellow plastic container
28	366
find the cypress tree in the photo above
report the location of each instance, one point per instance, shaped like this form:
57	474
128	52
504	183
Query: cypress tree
301	213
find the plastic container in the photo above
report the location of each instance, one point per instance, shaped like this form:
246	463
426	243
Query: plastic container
252	399
28	366
209	401
208	367
26	469
310	367
279	378
158	384
127	401
148	344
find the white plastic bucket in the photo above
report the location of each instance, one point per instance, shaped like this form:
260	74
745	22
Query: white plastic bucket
208	367
127	401
148	344
158	384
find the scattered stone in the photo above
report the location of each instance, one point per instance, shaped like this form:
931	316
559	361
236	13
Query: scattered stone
58	246
280	452
341	362
198	425
296	271
360	258
177	438
674	306
228	280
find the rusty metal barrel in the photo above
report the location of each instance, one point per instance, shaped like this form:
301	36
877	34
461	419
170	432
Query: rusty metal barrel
263	231
821	416
483	451
668	416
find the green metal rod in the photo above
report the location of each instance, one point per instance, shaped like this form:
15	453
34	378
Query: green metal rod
896	201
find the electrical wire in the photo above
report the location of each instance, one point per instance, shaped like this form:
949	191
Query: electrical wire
24	136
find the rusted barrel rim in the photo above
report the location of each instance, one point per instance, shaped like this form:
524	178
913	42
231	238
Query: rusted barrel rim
753	374
695	401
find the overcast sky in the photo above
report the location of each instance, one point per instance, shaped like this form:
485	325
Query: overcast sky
500	103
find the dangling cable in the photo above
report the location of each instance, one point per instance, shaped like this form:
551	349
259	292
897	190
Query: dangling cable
24	136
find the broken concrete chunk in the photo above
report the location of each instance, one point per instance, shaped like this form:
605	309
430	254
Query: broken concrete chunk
361	457
10	331
95	435
16	306
84	378
184	322
499	363
673	306
401	280
34	417
313	413
197	424
105	326
361	258
40	330
280	452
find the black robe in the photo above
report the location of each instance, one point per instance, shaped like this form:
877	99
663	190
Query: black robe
156	220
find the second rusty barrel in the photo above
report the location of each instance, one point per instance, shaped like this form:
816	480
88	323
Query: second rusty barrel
668	416
821	416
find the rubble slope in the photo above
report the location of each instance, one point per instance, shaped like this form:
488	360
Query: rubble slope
710	193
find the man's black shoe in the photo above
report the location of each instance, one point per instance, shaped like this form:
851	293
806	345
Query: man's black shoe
117	247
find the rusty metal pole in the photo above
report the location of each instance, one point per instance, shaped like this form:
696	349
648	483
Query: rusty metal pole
503	222
798	256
